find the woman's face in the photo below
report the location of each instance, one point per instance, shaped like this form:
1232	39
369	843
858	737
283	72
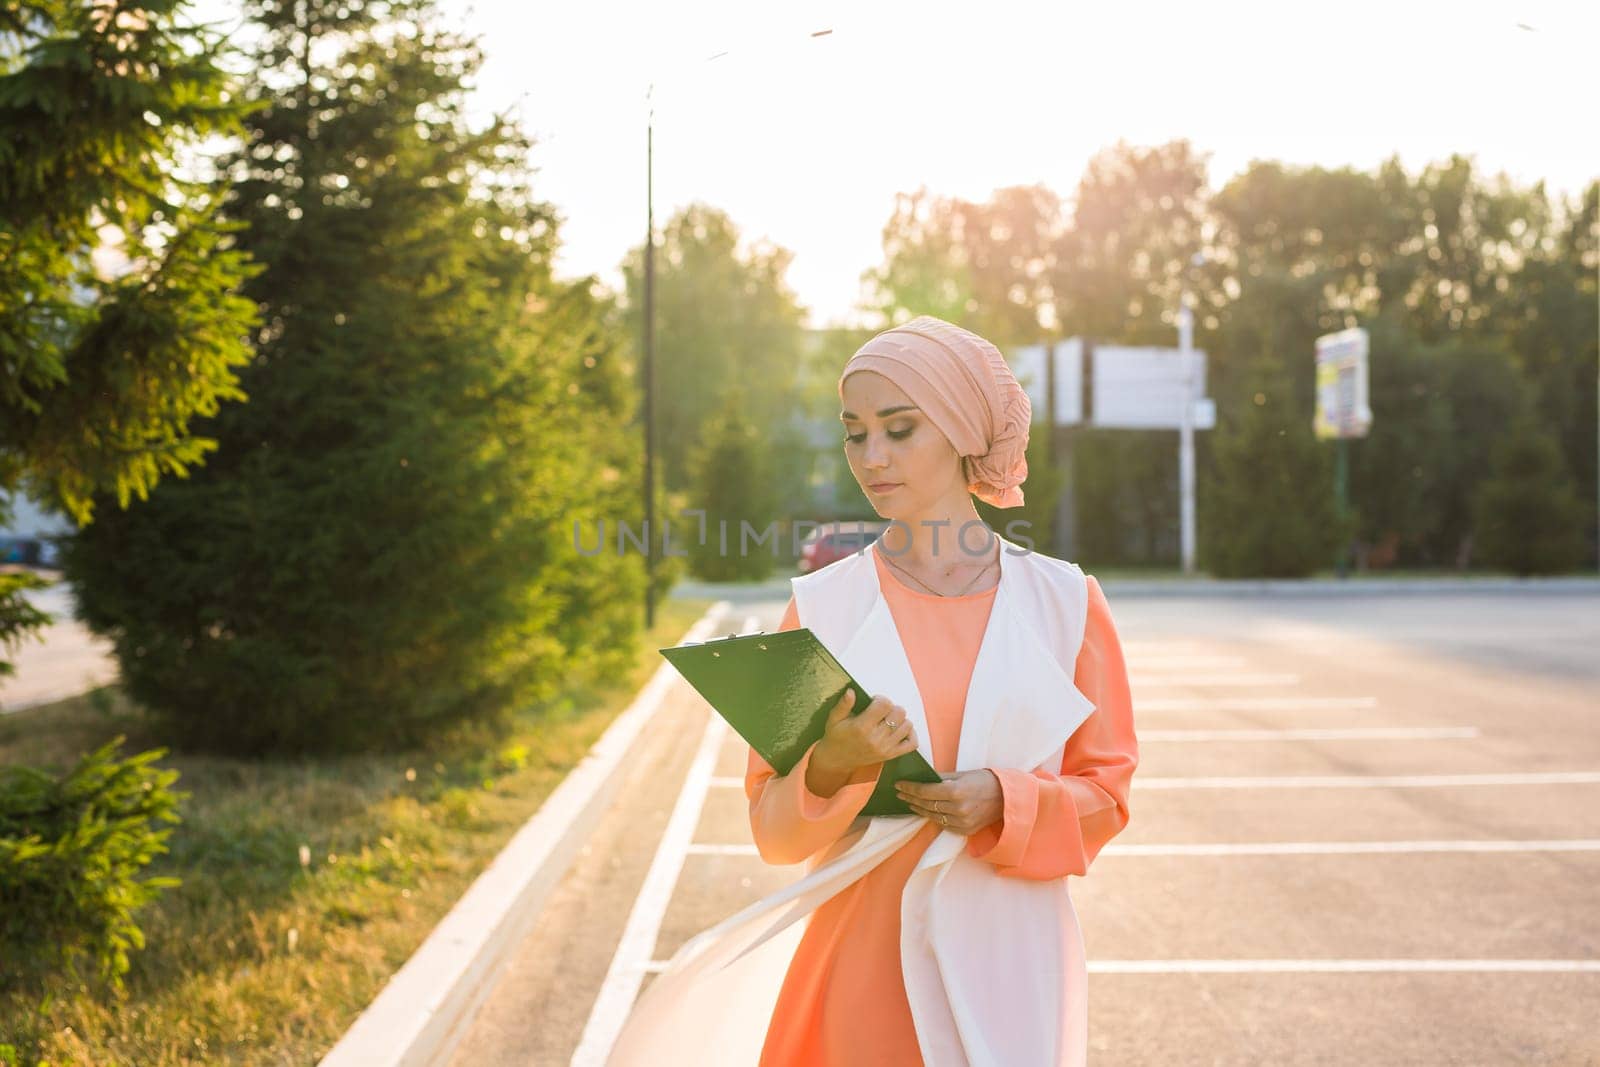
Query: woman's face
903	462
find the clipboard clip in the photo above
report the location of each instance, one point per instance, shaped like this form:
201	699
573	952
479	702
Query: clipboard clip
729	637
724	637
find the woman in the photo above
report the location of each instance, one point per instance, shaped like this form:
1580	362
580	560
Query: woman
946	938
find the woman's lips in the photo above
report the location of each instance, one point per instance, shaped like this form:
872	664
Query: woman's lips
883	487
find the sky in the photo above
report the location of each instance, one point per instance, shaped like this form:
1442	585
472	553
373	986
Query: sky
804	141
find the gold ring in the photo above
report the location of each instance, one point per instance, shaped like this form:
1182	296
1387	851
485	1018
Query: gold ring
943	821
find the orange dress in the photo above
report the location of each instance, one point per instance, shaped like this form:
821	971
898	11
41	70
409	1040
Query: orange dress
843	999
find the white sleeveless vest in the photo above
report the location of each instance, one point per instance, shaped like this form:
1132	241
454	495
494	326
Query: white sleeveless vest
994	966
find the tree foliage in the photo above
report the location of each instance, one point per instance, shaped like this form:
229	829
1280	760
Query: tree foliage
724	313
72	847
1526	516
733	484
1476	290
1271	507
121	322
383	544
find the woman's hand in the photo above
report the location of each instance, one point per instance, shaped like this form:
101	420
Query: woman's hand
968	800
881	732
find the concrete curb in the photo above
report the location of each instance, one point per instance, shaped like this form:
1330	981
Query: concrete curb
425	1009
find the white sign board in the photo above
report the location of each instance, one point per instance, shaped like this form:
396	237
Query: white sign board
1028	363
1342	409
1144	388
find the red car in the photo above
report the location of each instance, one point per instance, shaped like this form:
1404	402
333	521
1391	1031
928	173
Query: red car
836	540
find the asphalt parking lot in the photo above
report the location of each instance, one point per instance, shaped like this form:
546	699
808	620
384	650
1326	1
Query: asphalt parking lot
1365	830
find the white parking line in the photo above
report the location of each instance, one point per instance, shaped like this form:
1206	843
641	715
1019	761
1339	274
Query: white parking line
1370	781
707	849
1308	966
1304	966
1353	733
1133	648
637	945
1358	733
1279	848
1183	663
1337	848
430	1003
1255	704
1144	681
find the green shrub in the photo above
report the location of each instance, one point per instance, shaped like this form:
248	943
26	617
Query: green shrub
1270	511
1527	516
70	850
733	484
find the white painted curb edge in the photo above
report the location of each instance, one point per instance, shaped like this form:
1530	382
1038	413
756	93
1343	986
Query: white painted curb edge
422	1013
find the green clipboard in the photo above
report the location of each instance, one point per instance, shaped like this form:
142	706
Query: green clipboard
776	690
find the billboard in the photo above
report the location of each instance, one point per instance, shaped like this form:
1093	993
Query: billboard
1342	409
1144	388
1029	364
1128	388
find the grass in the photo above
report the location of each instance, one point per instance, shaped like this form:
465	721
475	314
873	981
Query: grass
306	883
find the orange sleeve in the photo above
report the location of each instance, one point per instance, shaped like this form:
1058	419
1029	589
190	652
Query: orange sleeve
1055	824
790	823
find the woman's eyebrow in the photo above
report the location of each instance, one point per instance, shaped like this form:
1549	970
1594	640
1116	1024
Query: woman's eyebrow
850	415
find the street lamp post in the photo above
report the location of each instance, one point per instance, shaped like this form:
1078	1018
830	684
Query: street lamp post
1186	533
650	350
1186	436
649	370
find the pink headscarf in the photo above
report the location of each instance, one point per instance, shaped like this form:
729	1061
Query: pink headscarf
963	384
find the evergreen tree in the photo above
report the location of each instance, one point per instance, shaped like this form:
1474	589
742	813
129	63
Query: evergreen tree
1437	408
120	319
384	543
1527	517
1270	512
733	483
